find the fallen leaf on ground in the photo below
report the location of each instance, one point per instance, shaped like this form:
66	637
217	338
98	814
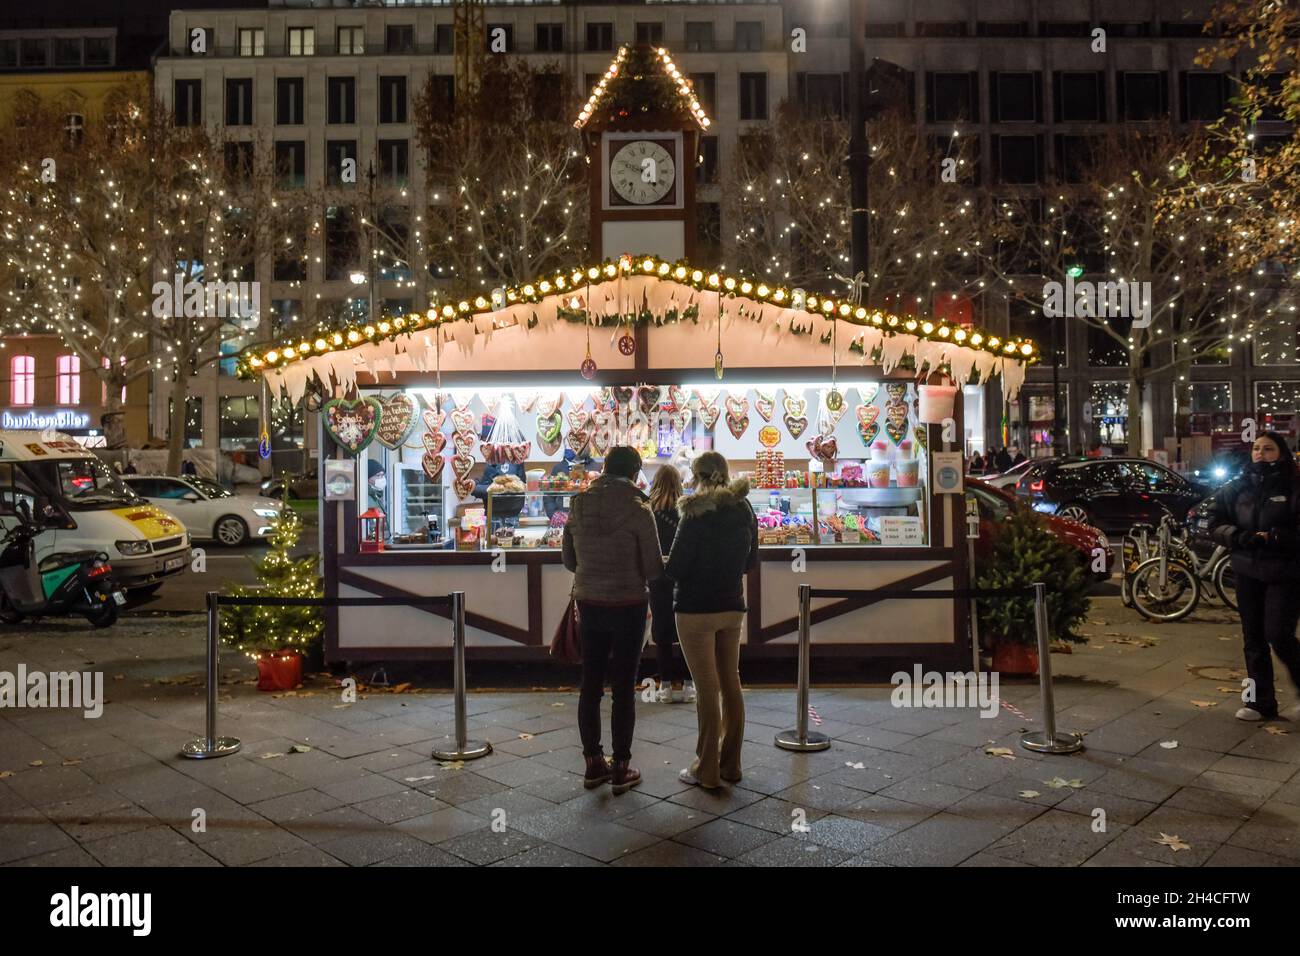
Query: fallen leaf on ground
299	749
342	706
451	764
37	763
525	736
269	756
1226	690
72	762
558	703
119	677
432	776
1062	647
1169	744
1056	783
1205	703
1226	638
1030	794
856	766
6	774
402	688
1276	731
1175	843
1236	673
1000	752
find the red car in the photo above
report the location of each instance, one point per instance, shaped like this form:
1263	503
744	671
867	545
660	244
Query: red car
995	504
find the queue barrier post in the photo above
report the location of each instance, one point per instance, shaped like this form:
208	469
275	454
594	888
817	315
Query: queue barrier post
464	749
210	745
1047	740
800	738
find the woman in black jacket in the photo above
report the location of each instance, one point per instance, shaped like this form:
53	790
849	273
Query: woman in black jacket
716	543
1257	515
665	493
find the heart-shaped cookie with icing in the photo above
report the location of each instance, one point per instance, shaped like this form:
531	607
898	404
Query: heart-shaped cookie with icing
795	419
434	419
462	420
764	404
396	420
432	465
709	415
579	419
577	439
464	442
549	403
680	419
677	395
464	488
434	442
461	465
823	448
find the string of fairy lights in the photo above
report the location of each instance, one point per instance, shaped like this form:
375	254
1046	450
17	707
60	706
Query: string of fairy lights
605	88
562	283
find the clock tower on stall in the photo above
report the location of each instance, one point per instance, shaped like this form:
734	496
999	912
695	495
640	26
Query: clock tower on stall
641	126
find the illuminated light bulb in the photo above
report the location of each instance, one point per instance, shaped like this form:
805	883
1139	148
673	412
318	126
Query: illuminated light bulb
663	268
944	331
432	314
713	279
593	272
910	325
845	309
730	284
288	352
370	331
611	270
463	306
994	342
960	335
559	282
577	275
304	346
272	355
480	302
648	265
892	321
927	327
1009	347
1026	349
336	339
320	345
778	295
448	311
354	335
545	287
746	287
254	361
697	276
763	291
679	272
529	290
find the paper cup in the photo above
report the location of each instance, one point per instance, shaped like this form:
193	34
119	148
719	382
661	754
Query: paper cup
909	470
878	474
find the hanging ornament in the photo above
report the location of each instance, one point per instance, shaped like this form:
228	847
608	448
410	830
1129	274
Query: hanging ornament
588	367
264	444
834	400
717	359
627	343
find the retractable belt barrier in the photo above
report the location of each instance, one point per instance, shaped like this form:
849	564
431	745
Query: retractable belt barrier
1046	741
212	745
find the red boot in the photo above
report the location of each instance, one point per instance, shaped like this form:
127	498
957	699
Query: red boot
597	772
625	776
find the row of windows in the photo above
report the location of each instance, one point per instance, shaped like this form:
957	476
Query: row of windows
67	379
700	36
61	52
1188	29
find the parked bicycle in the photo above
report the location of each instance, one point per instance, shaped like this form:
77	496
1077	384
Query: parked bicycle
1163	574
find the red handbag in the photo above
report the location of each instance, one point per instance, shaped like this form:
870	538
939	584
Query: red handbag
566	645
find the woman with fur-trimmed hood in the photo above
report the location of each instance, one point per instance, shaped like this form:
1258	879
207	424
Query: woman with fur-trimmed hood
716	543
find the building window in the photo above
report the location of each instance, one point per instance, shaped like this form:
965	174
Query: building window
239	161
708	233
239	422
1018	159
22	380
336	151
36	51
946	28
550	38
342	96
1074	157
239	102
291	164
651	33
1142	96
753	96
1017	97
342	245
103	389
193	420
444	39
352	41
393	161
706	91
507	32
1109	412
399	38
749	35
252	42
67	51
288	101
9	53
189	102
951	97
302	41
1210	402
1104	350
1002	28
822	94
1277	338
1277	398
600	37
284	314
75	126
99	51
392	99
1205	96
1079	97
708	161
289	263
548	96
699	36
1117	29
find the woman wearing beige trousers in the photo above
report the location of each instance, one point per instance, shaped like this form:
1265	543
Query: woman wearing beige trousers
716	543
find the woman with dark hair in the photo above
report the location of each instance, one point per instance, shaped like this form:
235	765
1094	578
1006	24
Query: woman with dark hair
1257	515
665	493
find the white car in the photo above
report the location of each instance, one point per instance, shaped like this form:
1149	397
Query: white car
1007	479
207	509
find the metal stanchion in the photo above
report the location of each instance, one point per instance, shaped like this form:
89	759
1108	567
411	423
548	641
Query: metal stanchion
1047	740
800	738
211	745
465	749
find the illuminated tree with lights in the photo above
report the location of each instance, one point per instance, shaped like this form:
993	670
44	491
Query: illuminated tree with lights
506	176
281	575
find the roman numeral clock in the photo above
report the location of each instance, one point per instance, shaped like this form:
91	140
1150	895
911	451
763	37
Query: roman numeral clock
641	127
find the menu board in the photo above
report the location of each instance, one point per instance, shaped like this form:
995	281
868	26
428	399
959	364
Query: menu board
901	531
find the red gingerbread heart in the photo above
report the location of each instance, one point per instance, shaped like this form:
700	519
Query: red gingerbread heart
464	442
577	439
764	404
461	466
825	449
464	488
462	419
709	415
432	465
434	442
434	419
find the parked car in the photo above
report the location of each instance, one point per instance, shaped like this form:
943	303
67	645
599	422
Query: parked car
303	485
208	510
995	505
1008	478
1109	493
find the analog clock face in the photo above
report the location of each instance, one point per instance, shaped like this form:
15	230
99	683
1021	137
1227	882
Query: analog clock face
642	172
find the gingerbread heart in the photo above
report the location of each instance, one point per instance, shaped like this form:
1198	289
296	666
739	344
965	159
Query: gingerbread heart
896	391
434	442
677	395
352	423
549	404
794	406
919	433
464	442
527	401
602	430
432	465
833	415
601	439
867	414
577	439
823	448
868	399
868	432
462	465
737	424
462	420
709	415
464	488
550	432
896	422
706	396
579	419
434	419
680	419
397	418
649	398
737	404
764	404
623	394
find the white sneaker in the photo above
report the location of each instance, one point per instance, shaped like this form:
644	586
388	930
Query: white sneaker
687	777
690	691
1250	714
665	694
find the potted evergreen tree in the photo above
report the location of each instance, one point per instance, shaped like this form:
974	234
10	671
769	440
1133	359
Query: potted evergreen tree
1024	553
277	637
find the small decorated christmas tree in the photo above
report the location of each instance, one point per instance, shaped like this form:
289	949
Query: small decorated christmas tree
258	629
1025	553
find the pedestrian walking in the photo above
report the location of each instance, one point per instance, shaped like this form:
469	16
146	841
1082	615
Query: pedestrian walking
716	543
1002	461
612	548
1257	515
665	493
976	466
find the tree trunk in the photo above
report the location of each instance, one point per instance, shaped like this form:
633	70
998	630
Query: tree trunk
1136	394
176	428
114	418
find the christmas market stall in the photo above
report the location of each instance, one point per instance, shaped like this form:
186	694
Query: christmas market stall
453	442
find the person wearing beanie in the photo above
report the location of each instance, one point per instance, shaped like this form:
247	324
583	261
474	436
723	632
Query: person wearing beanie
612	547
1257	515
376	484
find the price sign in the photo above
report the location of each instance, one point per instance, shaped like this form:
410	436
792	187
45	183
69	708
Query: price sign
901	531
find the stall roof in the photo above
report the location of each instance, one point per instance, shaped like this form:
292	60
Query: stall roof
622	93
651	291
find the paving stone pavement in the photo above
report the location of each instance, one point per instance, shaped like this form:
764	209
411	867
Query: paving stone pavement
899	787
